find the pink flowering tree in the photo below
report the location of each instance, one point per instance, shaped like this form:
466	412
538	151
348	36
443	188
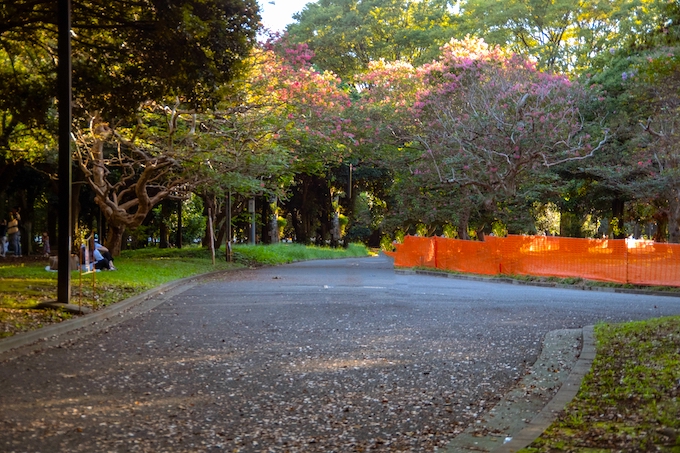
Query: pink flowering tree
314	130
383	124
285	119
382	112
312	106
491	126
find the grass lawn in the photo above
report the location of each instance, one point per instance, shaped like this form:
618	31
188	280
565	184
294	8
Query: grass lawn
24	282
629	401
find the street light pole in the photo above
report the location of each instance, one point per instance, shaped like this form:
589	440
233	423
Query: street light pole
251	208
64	99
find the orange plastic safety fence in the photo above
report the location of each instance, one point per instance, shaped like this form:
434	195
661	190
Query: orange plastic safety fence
619	261
467	256
415	251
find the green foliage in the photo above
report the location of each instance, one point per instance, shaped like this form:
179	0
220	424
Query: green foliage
642	87
348	34
386	243
193	221
547	217
565	35
367	216
287	253
127	55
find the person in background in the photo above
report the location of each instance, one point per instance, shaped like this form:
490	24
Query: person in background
46	244
13	232
101	256
3	238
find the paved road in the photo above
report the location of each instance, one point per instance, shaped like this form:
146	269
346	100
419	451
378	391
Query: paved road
340	355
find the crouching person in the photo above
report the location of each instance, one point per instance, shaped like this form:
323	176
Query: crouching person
101	256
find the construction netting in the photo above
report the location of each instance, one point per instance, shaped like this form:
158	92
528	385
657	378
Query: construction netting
612	260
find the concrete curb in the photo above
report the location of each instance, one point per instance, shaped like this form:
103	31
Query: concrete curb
567	392
527	409
26	342
512	281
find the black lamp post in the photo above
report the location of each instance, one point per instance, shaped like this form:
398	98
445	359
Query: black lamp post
64	99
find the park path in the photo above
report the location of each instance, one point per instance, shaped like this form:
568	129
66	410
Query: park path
333	356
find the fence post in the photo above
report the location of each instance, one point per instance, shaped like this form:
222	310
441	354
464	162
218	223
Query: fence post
435	251
625	254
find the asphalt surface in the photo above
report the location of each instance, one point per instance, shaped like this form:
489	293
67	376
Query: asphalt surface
342	355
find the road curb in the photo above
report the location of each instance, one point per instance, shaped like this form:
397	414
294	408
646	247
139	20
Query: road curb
26	342
529	408
564	396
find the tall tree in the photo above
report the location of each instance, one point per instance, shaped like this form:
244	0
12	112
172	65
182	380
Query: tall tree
346	35
125	54
653	85
383	124
492	125
638	81
562	35
316	133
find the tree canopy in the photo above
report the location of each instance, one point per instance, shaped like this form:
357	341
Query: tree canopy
439	116
346	35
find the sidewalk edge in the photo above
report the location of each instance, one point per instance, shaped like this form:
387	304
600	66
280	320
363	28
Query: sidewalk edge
24	339
565	394
512	281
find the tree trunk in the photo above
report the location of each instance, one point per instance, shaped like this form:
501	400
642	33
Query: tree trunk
220	234
674	217
220	222
297	227
661	218
326	213
617	222
463	224
128	203
265	232
114	238
164	241
335	221
273	219
208	206
349	212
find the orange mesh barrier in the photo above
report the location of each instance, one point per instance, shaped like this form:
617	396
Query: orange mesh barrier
415	251
467	256
592	259
619	261
653	263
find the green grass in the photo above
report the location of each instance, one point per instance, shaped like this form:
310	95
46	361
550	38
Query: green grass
288	253
629	399
23	285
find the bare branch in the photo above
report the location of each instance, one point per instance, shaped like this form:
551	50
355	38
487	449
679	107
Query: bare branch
575	158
